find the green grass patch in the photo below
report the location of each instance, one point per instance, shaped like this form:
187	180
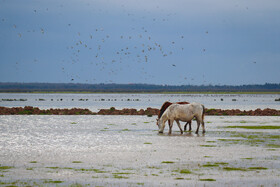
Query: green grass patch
77	162
33	162
210	165
6	167
67	168
257	168
221	163
185	171
167	162
28	112
209	110
125	130
53	182
179	178
208	156
247	158
209	180
273	136
74	123
122	173
211	141
208	145
234	169
229	140
255	127
120	177
91	169
273	145
52	167
147	143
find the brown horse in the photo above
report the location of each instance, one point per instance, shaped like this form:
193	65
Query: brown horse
166	105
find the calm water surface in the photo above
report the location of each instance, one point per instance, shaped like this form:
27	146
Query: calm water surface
94	102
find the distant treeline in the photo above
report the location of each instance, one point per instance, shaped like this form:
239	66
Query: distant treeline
72	87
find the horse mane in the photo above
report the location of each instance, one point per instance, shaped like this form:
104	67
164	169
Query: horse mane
182	103
163	108
166	105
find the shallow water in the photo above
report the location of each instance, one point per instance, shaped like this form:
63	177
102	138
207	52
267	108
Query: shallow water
95	102
128	151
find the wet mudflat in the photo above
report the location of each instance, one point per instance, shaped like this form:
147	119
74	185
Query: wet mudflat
128	151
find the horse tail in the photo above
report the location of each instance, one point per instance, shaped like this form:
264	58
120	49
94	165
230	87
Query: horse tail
203	112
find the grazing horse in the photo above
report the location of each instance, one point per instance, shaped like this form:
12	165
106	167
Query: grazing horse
186	112
166	105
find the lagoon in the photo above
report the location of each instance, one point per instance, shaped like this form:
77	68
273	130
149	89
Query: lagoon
95	102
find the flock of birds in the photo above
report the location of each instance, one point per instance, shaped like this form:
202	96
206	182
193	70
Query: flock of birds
102	54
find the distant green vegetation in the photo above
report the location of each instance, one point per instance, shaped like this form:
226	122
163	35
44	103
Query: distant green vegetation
137	88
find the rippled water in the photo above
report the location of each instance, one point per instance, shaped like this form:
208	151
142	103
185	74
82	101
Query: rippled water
94	102
127	151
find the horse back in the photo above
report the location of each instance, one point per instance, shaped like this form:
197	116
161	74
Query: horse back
166	105
185	112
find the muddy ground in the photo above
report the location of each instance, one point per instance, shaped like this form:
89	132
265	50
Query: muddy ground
29	110
113	150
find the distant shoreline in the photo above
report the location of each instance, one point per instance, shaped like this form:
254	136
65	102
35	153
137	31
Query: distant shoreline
29	110
186	92
135	88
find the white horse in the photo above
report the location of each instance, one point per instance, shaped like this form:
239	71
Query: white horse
186	112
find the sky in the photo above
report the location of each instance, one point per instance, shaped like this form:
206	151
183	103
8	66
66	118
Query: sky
173	42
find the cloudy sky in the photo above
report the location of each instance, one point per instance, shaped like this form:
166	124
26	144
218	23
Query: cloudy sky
174	42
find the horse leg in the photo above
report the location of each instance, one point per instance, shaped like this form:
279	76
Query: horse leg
185	127
177	121
169	123
170	126
203	127
198	124
190	125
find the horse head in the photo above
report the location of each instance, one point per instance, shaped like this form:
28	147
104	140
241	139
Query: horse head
159	124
